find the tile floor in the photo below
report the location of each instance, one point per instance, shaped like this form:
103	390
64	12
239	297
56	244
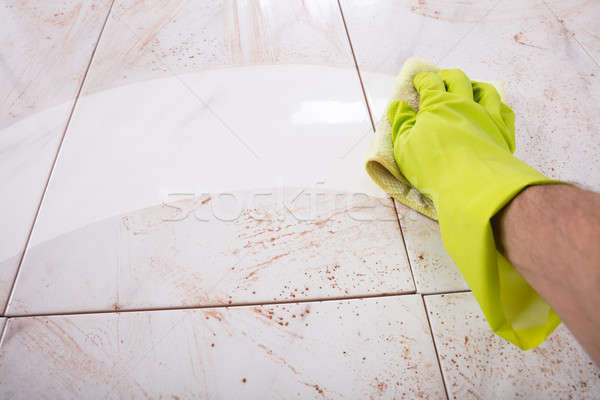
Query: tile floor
188	215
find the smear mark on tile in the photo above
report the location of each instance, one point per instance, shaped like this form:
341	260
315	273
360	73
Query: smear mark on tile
370	348
292	244
145	41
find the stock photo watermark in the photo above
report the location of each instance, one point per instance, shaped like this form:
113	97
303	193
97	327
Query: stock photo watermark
278	205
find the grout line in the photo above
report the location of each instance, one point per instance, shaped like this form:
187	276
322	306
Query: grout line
446	292
362	85
412	274
191	91
233	305
574	37
437	355
3	332
60	143
411	269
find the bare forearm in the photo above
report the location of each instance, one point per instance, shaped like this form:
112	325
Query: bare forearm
551	234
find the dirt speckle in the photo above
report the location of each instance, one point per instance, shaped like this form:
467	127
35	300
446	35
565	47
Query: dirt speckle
518	38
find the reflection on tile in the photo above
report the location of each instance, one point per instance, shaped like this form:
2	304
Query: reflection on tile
290	116
433	268
551	83
476	363
370	348
284	244
46	48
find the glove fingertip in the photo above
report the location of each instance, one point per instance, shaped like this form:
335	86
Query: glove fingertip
401	117
428	81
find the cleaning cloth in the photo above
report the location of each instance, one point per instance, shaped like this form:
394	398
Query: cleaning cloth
458	151
380	163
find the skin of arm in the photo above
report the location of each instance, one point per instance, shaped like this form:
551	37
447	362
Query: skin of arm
551	235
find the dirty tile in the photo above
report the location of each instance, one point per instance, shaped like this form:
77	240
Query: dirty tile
433	268
365	348
2	323
145	40
551	82
46	48
217	106
580	19
385	33
476	363
289	245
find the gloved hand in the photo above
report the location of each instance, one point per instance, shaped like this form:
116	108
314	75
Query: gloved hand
457	150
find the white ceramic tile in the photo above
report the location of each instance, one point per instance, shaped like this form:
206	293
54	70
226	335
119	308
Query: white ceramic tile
477	364
385	33
550	82
45	49
369	348
233	124
433	268
286	245
580	19
2	323
146	40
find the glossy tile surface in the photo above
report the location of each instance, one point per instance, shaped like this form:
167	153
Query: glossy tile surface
433	268
551	82
476	363
229	108
370	348
45	49
291	245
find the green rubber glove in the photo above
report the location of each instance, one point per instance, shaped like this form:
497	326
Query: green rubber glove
457	150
